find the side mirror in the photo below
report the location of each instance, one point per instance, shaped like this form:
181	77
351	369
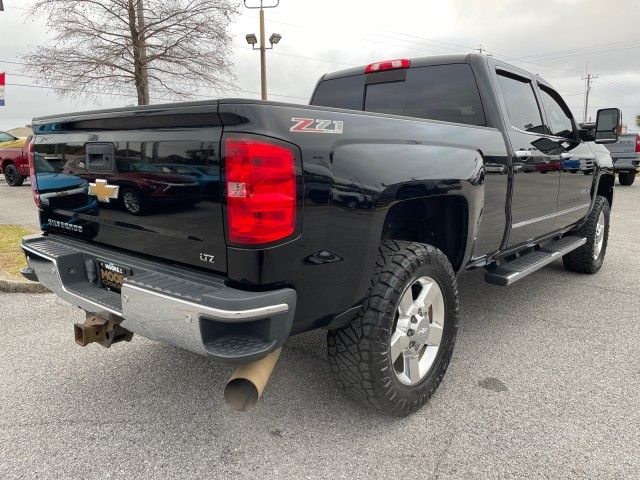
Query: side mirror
607	122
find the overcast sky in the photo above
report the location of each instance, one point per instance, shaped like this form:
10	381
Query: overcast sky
554	38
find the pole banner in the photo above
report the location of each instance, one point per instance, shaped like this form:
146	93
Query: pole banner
2	84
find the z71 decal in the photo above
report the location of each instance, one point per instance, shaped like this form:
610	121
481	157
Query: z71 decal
311	125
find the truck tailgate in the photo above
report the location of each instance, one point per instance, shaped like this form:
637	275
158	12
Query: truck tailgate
143	181
625	147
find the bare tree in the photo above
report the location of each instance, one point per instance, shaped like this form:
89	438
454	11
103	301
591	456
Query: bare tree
172	48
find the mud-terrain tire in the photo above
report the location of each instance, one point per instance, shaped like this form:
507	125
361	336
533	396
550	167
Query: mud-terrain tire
626	178
12	176
589	257
361	354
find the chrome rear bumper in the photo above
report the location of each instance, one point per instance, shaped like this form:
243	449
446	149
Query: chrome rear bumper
178	306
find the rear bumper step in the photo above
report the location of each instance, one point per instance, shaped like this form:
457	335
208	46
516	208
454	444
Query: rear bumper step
170	304
510	272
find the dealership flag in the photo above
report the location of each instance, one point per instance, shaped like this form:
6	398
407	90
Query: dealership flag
2	82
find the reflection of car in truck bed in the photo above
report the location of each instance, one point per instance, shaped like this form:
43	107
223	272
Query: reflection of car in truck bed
14	163
59	190
207	177
142	186
356	214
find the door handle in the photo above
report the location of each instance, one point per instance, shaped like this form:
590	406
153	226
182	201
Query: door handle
523	154
565	155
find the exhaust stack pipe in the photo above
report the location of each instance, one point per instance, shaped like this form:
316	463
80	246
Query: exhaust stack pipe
245	387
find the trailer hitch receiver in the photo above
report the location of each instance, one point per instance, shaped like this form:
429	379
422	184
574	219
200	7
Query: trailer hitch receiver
100	330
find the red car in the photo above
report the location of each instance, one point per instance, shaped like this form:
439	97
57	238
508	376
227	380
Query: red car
138	186
14	158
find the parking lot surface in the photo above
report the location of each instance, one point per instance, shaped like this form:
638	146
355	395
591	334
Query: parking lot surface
16	206
544	383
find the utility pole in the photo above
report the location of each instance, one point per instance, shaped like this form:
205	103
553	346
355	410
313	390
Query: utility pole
588	78
263	57
273	39
481	50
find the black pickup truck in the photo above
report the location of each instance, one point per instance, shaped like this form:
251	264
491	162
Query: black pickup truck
355	214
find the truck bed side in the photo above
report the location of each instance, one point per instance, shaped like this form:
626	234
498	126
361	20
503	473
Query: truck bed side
353	182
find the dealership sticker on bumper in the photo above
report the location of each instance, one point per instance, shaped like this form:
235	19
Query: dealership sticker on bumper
112	275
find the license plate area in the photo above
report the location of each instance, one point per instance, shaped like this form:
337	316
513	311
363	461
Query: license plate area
111	275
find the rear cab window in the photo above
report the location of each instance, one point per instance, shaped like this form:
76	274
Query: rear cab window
437	92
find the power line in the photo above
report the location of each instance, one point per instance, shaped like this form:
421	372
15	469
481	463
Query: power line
193	85
386	43
581	50
135	96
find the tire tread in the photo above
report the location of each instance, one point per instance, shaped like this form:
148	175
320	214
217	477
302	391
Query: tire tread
358	352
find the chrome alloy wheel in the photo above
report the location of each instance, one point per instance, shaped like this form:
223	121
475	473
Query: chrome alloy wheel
416	337
599	238
131	202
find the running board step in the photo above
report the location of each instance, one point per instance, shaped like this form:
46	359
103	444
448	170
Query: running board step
512	271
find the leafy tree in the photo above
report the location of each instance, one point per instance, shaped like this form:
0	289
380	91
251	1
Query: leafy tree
168	47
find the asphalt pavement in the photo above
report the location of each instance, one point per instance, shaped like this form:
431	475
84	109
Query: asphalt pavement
17	207
544	383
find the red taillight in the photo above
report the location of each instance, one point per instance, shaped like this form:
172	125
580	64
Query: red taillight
638	144
32	174
388	65
261	191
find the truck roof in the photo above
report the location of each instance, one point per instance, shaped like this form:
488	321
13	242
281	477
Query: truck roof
415	62
211	106
471	58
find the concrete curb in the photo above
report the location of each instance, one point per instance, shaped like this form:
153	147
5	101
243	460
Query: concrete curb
11	284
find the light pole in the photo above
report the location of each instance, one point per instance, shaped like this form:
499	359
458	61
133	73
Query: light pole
273	40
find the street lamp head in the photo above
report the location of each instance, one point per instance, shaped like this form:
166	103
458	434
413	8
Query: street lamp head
275	38
251	39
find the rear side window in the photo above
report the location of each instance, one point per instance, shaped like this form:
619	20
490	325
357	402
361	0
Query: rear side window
522	106
439	92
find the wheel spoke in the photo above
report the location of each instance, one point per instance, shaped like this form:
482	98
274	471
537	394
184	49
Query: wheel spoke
434	336
412	368
428	294
406	302
398	344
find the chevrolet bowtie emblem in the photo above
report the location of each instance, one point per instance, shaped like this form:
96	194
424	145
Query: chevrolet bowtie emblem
103	192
